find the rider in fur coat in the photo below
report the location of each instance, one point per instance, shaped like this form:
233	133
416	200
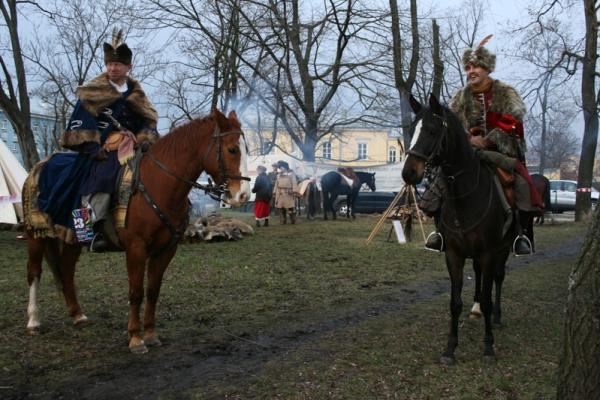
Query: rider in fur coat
112	116
492	113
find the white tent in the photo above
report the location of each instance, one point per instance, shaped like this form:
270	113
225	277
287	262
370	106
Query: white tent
12	177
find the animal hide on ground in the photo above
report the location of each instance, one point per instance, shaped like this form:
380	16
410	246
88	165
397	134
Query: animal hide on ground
216	228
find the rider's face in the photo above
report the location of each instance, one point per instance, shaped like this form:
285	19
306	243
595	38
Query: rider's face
476	74
117	72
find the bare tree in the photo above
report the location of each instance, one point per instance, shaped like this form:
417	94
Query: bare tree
14	97
541	47
404	84
295	61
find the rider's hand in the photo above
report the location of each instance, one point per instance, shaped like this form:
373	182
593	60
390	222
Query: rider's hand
144	145
478	142
99	155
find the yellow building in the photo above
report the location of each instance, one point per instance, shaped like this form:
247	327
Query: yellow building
351	146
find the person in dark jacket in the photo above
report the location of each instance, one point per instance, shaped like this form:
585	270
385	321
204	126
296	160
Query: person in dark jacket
262	202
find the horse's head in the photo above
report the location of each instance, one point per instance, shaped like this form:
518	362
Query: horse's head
371	182
228	164
427	133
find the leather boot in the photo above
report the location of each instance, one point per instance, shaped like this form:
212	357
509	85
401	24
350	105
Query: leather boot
435	242
283	216
266	222
521	245
257	223
292	217
99	243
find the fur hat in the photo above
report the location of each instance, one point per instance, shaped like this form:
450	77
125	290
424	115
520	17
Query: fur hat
283	164
117	50
480	56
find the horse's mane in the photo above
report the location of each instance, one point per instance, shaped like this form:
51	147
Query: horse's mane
178	140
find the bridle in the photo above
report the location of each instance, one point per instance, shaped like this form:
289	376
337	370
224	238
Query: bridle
432	158
214	191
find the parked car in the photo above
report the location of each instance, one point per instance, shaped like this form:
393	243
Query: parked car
367	202
563	193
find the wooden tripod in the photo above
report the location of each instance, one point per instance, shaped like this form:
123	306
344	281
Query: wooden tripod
397	210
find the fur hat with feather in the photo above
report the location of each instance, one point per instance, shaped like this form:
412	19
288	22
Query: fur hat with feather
480	56
117	50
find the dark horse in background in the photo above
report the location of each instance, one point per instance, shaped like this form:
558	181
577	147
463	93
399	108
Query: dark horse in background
542	185
472	217
333	184
157	214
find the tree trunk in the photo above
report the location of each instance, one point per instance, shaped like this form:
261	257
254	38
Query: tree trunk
438	67
579	369
590	114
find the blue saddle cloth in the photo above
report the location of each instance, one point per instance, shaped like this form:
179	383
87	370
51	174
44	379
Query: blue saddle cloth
60	183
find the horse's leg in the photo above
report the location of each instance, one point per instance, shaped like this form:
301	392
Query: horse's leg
35	257
68	261
156	269
350	209
325	204
332	199
499	274
476	309
136	265
487	265
455	265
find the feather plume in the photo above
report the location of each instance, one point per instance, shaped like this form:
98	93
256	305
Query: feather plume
485	40
116	37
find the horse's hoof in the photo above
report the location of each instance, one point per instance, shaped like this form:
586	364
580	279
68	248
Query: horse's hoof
80	320
33	331
474	315
152	341
489	359
138	349
446	360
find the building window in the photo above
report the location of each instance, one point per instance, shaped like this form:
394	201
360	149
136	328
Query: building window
362	151
392	155
327	150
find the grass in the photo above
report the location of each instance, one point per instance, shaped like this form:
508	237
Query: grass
332	296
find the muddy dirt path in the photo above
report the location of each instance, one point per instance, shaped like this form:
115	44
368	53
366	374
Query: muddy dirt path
184	363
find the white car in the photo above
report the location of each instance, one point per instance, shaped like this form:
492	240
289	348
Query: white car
563	193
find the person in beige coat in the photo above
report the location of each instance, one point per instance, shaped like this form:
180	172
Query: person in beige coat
285	187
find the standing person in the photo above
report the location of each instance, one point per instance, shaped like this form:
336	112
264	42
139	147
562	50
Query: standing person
492	112
262	202
111	115
285	187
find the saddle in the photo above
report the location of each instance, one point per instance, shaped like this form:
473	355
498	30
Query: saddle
507	181
349	175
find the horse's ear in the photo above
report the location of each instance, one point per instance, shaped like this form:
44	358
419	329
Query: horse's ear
221	119
233	118
414	104
435	105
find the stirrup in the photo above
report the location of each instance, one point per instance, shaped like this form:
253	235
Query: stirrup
522	253
435	242
99	243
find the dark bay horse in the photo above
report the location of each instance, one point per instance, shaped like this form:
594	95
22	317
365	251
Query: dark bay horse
542	185
472	216
333	184
157	211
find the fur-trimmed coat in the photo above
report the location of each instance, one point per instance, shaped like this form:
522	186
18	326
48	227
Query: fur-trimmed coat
132	109
504	100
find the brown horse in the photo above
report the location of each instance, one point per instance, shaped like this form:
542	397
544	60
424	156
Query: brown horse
157	216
